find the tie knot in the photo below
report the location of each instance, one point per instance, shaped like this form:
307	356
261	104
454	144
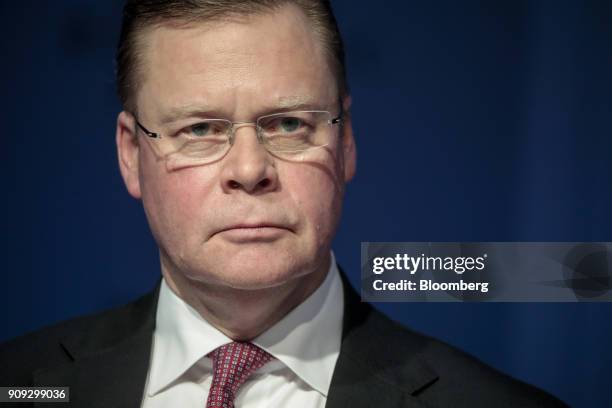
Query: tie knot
233	363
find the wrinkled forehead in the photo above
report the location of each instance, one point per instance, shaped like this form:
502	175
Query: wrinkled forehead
237	65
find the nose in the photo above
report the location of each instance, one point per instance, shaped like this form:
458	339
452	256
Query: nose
248	166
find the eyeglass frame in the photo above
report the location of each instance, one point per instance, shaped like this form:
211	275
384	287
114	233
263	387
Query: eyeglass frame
232	129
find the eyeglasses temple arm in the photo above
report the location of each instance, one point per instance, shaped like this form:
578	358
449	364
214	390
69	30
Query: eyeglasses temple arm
340	117
147	131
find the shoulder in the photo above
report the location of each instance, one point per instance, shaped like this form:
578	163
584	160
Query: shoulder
55	345
460	379
415	368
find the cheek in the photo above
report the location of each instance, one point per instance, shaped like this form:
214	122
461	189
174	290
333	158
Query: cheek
173	203
317	194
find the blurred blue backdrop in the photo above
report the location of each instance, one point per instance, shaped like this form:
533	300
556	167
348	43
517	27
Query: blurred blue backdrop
475	121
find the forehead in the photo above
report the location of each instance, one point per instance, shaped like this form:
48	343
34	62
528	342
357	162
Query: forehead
237	65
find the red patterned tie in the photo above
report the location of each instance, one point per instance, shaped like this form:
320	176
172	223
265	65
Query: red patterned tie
233	363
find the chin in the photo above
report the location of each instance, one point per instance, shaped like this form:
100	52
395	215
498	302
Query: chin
249	274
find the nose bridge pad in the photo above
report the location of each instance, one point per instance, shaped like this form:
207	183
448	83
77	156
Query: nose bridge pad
237	125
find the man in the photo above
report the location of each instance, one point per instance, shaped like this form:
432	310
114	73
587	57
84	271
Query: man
236	135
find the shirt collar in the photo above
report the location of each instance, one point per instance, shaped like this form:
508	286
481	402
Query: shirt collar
307	339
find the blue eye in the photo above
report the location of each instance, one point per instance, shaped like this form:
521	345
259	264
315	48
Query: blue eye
200	129
290	124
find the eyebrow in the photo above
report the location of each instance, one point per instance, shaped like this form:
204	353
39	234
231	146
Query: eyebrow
295	102
176	113
284	104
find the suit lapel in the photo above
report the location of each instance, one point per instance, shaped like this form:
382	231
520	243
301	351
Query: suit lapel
110	362
373	369
112	378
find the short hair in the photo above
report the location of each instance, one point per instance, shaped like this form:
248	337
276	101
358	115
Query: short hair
139	15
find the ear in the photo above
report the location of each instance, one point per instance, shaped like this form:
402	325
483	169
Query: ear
348	142
128	152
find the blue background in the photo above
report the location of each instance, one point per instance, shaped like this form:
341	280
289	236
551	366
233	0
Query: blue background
475	121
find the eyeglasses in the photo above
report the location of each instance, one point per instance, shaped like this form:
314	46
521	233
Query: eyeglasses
283	134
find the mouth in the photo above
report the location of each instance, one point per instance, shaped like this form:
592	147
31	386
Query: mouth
259	232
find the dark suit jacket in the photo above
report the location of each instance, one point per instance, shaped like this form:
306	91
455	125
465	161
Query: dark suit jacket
104	360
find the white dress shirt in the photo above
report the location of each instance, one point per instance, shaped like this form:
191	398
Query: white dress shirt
305	343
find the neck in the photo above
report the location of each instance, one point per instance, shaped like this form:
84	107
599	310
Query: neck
243	314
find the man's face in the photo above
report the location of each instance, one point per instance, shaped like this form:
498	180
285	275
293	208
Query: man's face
250	220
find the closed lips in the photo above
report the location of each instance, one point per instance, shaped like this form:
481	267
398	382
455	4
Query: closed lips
253	226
